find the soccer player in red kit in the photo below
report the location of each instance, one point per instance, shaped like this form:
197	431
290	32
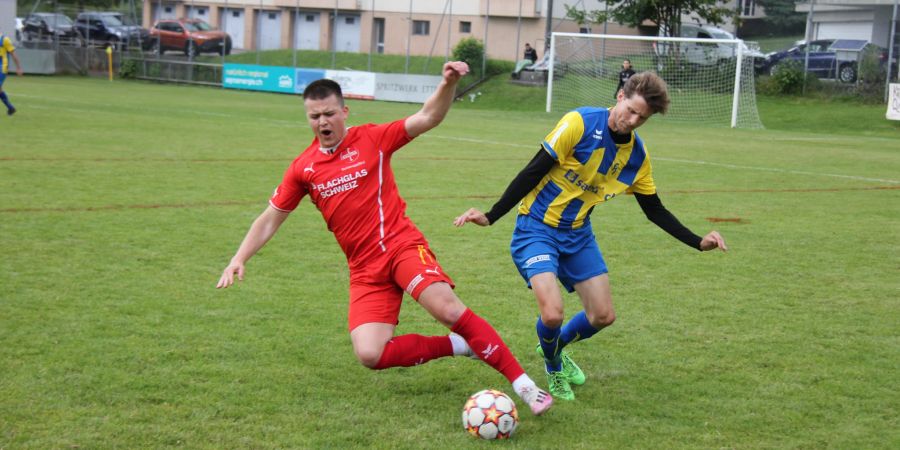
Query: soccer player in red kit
346	173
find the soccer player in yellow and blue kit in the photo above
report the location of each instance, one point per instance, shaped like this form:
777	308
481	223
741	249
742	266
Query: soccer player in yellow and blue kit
591	156
7	50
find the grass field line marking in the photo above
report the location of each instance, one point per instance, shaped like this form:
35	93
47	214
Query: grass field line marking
418	197
688	161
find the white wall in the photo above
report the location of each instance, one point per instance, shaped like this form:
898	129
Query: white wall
8	18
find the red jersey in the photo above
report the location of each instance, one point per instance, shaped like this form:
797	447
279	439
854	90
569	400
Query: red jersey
354	189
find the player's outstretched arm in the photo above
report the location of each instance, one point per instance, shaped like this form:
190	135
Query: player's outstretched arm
712	241
472	215
263	228
436	106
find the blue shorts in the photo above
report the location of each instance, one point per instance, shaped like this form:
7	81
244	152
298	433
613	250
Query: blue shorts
2	78
572	255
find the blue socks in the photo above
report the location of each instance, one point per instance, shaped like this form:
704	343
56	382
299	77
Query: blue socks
6	100
576	329
549	339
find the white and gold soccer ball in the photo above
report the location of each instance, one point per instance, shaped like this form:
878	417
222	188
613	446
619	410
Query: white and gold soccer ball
490	414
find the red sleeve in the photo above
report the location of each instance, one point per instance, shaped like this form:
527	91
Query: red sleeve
392	135
289	193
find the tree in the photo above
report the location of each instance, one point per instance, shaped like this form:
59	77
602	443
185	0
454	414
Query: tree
666	14
781	16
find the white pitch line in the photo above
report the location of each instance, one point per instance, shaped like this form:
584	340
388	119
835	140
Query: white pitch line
688	161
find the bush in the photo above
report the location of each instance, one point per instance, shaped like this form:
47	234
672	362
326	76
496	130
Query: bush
872	75
788	78
471	51
128	69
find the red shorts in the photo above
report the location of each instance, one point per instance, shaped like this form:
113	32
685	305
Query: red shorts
376	291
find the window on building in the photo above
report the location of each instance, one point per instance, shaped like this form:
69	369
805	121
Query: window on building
235	14
273	16
310	18
168	9
584	30
421	27
465	27
350	20
201	12
747	7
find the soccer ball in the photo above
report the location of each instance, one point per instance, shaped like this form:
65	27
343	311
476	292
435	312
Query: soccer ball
490	414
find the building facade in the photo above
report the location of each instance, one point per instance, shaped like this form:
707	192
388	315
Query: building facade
419	27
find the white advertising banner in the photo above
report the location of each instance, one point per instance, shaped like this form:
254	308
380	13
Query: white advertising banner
354	84
405	88
893	109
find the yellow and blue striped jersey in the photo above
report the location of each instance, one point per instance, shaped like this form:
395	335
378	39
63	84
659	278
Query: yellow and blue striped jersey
5	47
590	169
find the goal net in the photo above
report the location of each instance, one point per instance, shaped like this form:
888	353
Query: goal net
710	80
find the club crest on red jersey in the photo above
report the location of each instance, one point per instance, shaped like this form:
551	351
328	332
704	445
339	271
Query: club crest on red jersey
350	155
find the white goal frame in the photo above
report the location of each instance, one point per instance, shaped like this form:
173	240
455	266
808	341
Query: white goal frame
736	42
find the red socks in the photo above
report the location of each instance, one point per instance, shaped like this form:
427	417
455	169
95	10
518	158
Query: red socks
487	344
413	349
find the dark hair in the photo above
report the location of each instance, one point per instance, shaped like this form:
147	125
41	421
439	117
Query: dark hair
650	86
324	88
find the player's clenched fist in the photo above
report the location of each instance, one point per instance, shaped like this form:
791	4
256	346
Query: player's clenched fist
454	70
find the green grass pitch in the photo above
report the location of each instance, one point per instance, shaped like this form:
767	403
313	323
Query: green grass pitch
120	204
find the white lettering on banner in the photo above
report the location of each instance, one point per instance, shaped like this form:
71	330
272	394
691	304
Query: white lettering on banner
243	81
246	73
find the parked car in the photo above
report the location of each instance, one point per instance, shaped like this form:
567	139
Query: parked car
20	25
52	26
823	61
191	36
707	54
108	28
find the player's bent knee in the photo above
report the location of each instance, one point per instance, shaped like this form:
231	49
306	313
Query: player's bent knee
552	318
369	357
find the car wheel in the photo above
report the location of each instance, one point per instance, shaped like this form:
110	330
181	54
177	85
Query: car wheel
847	73
190	50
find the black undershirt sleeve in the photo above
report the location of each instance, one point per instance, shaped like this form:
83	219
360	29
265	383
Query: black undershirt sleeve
522	184
658	214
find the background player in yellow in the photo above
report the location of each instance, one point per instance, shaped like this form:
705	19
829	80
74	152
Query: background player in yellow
6	51
592	155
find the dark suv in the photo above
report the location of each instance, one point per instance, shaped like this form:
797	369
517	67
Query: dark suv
111	28
39	26
191	36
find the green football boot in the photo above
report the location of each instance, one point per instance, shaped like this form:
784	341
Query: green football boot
559	386
570	370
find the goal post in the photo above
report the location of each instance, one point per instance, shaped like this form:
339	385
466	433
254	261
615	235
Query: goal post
710	80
